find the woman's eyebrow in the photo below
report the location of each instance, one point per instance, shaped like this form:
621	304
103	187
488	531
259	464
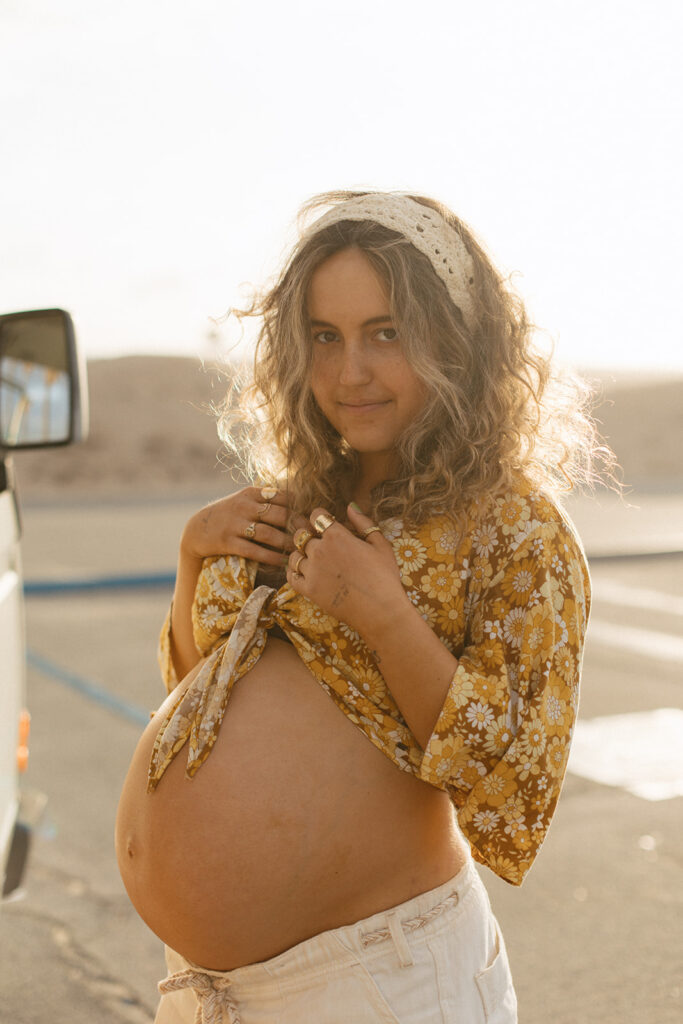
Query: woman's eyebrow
366	323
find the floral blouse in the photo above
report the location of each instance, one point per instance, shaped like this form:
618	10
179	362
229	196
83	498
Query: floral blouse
508	594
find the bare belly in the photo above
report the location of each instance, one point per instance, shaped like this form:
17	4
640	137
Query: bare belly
295	824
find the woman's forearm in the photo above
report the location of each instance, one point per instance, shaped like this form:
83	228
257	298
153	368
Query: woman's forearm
416	666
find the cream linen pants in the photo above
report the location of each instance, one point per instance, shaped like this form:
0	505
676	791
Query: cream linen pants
436	959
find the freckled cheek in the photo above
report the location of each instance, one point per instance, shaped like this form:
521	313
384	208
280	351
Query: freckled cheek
405	382
321	385
318	381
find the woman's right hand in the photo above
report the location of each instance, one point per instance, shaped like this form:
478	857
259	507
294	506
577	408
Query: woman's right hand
219	529
224	528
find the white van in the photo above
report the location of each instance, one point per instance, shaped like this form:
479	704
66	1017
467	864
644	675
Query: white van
43	402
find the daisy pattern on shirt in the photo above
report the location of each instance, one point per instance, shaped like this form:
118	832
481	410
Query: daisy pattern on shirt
391	528
484	540
519	581
409	553
505	587
445	539
513	512
437	583
514	625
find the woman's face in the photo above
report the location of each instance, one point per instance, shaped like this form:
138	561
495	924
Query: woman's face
360	377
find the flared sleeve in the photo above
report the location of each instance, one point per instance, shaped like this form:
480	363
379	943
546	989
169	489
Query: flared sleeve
501	742
223	585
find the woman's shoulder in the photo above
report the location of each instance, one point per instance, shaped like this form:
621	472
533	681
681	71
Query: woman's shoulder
498	524
519	509
522	521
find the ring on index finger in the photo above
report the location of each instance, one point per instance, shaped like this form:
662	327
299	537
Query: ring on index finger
301	540
295	568
371	529
268	493
323	522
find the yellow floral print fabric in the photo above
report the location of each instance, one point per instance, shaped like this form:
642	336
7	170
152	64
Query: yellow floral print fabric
508	593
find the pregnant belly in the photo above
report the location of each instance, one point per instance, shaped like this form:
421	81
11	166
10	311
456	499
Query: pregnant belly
296	823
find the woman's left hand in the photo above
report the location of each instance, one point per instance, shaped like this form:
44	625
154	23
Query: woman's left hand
356	580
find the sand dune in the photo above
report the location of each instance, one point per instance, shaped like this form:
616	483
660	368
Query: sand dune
151	433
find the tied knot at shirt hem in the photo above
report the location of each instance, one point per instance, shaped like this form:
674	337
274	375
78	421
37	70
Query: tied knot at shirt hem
198	712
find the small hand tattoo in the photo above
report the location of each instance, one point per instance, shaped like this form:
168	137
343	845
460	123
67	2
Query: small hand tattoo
342	593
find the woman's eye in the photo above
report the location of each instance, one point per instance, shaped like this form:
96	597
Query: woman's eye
325	337
388	334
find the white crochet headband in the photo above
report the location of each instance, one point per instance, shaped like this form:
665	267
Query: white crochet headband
425	229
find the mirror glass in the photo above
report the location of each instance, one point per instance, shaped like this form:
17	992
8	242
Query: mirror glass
35	383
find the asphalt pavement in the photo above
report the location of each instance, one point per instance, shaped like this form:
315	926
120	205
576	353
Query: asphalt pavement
595	934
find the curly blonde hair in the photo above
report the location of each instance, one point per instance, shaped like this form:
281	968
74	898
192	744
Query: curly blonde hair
495	407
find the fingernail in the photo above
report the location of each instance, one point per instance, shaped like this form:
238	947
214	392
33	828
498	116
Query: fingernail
355	507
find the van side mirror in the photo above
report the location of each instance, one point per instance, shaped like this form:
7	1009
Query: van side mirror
43	389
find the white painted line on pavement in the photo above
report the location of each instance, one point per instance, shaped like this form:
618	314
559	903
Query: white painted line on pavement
648	642
638	597
640	752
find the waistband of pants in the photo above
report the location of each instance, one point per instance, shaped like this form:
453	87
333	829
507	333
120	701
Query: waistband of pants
336	948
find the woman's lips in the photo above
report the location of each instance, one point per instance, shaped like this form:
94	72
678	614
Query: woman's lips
361	408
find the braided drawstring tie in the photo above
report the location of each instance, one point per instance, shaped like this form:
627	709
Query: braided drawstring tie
413	923
212	991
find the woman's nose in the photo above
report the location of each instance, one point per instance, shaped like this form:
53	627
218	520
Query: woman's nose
355	367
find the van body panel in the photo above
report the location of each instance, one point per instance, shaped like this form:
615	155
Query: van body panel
12	667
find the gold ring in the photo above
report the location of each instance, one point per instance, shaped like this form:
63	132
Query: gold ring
262	509
323	522
371	529
302	540
295	569
268	493
249	531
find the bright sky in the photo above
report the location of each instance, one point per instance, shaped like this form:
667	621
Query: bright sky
154	154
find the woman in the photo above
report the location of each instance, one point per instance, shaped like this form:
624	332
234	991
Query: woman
433	601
